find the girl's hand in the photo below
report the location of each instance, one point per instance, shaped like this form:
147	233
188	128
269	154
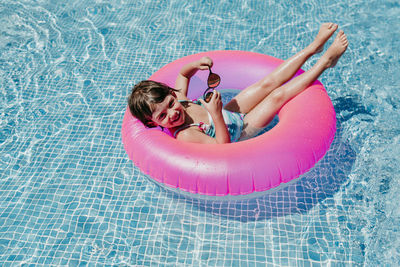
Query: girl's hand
204	63
214	106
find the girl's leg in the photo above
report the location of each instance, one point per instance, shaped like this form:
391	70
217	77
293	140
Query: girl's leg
247	99
265	111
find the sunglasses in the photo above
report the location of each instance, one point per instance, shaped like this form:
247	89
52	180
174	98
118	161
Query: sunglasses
213	81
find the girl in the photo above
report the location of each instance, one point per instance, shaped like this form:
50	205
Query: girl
156	104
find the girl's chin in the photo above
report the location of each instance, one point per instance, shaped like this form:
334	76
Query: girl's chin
180	120
177	123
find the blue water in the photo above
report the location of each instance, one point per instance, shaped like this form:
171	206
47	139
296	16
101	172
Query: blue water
70	196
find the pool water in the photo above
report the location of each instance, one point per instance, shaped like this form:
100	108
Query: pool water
69	195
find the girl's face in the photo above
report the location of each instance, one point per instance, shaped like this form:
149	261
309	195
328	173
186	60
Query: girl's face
169	113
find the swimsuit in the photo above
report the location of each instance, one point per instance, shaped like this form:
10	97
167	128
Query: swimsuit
233	121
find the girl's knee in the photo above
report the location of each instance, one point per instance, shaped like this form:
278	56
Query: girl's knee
277	97
269	83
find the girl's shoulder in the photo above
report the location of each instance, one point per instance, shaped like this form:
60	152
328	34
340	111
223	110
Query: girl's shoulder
184	99
186	129
189	102
181	96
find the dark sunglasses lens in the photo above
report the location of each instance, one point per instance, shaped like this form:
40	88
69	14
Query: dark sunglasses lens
213	80
207	96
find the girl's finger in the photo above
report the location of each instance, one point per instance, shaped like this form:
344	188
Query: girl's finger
215	94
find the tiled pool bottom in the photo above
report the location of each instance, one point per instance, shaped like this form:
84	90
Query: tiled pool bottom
70	195
297	226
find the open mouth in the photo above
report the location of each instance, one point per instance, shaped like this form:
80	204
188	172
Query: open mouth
177	117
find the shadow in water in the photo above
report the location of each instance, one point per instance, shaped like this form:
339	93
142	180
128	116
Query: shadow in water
320	183
347	107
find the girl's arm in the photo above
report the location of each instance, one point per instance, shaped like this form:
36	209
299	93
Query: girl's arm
187	71
222	136
214	107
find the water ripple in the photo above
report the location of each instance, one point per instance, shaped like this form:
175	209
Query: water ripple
70	196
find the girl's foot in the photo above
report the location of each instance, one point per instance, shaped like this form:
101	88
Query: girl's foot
325	32
336	50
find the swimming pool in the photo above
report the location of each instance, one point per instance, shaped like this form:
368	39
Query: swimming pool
70	196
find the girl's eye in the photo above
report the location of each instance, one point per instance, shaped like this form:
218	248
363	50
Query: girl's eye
162	116
171	104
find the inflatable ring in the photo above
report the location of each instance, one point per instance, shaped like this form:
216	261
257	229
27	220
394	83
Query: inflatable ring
305	130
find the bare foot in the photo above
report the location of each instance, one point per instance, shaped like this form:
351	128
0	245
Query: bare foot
325	32
336	50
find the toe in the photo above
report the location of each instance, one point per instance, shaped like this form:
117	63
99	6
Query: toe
332	26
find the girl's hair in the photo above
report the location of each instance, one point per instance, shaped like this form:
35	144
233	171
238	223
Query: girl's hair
143	97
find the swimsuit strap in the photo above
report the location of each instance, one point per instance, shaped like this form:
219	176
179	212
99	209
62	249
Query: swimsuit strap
200	125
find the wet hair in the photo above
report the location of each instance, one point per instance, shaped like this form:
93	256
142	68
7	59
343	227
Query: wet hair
143	97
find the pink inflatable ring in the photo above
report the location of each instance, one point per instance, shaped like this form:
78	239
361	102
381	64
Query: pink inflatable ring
306	128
